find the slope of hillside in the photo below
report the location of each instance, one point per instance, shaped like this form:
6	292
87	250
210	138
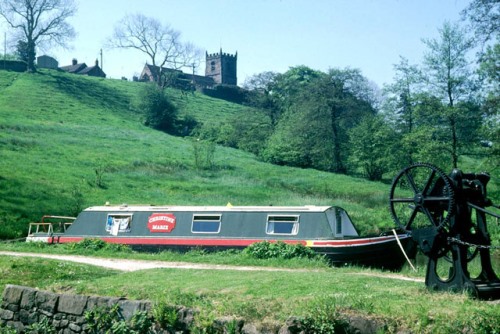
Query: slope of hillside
68	142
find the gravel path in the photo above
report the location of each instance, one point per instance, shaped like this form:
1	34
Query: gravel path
133	265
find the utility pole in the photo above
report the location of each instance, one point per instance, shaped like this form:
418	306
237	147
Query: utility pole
5	51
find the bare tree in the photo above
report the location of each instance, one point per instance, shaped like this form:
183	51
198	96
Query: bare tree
160	42
39	22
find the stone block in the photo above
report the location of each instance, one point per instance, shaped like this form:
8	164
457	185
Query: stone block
12	294
17	325
46	301
72	304
129	307
75	328
6	315
28	299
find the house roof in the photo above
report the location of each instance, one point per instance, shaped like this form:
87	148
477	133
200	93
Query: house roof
199	79
74	68
83	69
92	69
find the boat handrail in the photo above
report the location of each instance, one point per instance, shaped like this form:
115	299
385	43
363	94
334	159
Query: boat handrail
48	228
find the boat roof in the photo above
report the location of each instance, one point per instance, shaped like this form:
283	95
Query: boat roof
227	208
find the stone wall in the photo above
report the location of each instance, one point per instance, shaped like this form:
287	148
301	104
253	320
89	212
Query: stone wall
23	306
13	65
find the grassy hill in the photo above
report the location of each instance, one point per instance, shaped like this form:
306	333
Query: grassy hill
68	142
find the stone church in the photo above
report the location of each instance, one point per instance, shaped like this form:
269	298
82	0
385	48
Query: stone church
220	69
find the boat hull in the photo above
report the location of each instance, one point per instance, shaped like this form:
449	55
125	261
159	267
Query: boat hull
379	252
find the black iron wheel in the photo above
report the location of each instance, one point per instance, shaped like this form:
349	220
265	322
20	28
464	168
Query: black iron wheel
422	196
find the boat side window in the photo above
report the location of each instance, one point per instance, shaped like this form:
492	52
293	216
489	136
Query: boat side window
118	223
338	222
282	225
206	223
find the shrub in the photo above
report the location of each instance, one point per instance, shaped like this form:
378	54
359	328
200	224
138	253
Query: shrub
203	153
324	318
7	329
94	244
166	316
269	250
43	326
160	113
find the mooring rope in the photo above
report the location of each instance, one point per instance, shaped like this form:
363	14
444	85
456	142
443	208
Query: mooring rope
402	249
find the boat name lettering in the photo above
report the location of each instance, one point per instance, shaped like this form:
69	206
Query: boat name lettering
161	222
159	218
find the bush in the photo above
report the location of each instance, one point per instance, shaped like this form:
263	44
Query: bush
269	250
227	92
324	318
93	244
160	113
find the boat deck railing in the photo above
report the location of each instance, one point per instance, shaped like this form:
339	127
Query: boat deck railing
49	225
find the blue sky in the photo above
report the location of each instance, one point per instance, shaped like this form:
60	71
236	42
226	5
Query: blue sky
271	35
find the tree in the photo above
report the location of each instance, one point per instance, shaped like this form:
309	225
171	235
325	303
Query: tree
22	51
484	17
400	102
39	22
450	78
160	42
319	109
260	95
372	145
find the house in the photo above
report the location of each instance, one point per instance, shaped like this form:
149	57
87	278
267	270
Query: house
83	69
47	62
151	73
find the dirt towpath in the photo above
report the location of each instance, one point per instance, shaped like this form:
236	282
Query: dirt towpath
133	265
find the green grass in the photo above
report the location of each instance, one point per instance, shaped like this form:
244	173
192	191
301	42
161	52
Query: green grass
68	142
267	298
58	130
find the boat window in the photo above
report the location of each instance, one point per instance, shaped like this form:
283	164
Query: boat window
206	224
282	225
338	221
118	223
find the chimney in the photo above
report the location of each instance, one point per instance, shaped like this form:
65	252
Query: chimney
97	63
74	61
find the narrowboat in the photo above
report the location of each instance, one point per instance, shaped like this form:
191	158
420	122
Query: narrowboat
326	229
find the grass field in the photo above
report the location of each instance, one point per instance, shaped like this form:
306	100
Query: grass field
68	142
262	297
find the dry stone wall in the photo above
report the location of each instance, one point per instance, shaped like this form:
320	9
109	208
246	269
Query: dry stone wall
22	306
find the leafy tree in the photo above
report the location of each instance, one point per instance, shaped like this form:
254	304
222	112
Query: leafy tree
260	95
320	109
372	146
484	17
160	113
285	87
249	133
39	22
289	144
400	102
23	51
161	43
450	78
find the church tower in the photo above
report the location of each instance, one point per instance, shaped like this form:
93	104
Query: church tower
221	67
